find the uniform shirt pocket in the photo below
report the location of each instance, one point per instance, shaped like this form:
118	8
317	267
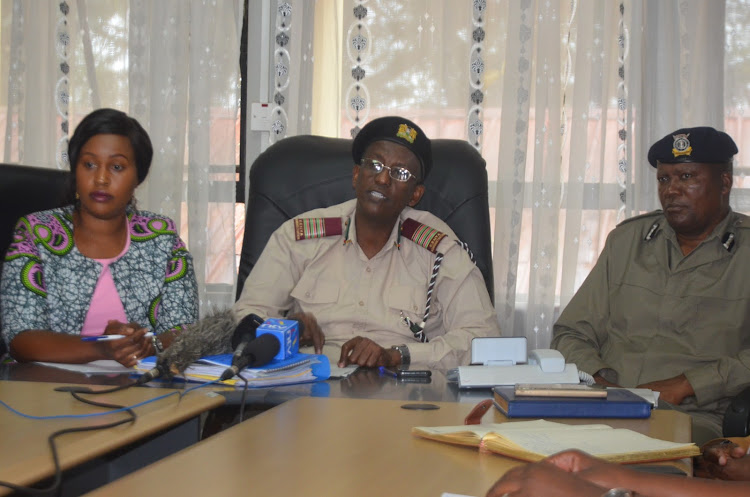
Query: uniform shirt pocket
313	293
406	300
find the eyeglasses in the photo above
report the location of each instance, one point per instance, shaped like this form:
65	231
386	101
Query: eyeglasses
398	173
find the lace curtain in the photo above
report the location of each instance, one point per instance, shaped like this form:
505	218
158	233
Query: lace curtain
562	98
171	64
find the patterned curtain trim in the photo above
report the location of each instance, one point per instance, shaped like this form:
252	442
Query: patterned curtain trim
359	50
282	76
475	125
62	90
622	120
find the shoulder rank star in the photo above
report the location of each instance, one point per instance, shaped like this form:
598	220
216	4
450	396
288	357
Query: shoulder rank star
681	145
317	227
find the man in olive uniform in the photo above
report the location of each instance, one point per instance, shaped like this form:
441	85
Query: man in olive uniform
374	280
667	305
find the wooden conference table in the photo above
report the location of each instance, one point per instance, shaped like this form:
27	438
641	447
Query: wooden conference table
340	447
92	458
362	384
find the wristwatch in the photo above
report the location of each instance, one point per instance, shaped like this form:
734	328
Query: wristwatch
403	350
618	492
158	346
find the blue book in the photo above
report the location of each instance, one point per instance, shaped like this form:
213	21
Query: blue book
618	404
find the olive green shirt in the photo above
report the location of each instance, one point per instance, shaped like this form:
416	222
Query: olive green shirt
351	295
649	313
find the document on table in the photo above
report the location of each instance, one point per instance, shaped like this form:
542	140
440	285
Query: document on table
94	367
341	373
647	395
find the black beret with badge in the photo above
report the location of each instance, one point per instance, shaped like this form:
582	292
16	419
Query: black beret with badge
397	130
701	144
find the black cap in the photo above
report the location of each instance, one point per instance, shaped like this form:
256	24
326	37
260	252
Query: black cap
702	144
397	130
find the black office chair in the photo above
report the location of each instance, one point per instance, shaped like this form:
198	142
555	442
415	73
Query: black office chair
301	173
26	189
737	417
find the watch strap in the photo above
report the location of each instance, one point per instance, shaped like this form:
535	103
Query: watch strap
403	350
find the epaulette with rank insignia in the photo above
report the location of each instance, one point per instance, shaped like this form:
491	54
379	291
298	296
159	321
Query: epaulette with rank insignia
421	234
317	227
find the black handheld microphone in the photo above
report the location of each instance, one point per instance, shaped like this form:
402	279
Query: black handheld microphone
244	334
256	353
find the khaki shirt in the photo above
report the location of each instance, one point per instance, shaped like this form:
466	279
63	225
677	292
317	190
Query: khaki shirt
351	295
649	313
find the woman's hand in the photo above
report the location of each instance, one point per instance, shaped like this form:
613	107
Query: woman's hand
127	350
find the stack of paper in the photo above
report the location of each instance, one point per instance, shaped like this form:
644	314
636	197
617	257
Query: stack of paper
299	368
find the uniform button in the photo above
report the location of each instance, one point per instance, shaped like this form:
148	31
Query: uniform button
307	294
416	308
368	270
361	304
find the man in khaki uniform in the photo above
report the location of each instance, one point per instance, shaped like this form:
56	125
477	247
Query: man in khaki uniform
667	305
374	280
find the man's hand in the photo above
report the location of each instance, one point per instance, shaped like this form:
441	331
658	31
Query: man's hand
311	334
364	352
545	479
593	469
723	460
673	390
599	379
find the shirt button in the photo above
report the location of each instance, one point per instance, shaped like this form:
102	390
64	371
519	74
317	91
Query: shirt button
368	270
307	294
361	304
416	308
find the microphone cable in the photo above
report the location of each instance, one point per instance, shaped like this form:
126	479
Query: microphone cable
75	391
55	486
243	398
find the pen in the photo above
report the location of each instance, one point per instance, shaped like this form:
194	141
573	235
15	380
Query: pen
384	370
104	338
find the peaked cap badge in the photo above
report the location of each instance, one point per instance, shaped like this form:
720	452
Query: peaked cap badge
681	145
406	133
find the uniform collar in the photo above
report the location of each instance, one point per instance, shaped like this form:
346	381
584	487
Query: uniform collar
350	234
726	225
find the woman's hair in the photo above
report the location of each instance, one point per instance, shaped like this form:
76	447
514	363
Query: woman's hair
109	122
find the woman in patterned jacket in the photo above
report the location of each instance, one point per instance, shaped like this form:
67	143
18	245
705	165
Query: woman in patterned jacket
97	265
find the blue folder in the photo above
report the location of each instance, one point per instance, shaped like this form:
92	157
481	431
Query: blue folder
617	404
318	363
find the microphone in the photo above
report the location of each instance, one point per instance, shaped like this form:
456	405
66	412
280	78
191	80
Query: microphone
245	331
286	331
244	335
257	353
275	339
209	336
161	369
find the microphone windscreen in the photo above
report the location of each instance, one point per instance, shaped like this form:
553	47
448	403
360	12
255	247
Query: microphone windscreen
246	329
263	349
209	336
